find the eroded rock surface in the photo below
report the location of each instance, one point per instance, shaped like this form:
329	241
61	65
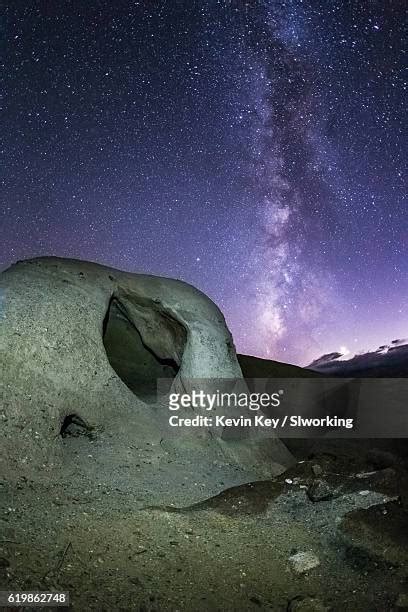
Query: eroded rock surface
81	346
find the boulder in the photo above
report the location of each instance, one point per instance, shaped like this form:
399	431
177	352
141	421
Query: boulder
85	344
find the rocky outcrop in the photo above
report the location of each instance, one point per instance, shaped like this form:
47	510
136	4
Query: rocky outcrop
85	344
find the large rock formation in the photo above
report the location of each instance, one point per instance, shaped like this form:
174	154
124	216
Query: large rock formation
84	343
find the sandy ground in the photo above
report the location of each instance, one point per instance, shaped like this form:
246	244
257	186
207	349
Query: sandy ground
93	533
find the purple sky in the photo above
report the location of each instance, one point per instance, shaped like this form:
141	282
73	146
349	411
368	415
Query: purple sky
255	150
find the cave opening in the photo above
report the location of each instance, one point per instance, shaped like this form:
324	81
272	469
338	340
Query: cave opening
73	425
142	345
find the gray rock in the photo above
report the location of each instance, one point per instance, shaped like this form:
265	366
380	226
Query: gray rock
321	490
303	562
87	343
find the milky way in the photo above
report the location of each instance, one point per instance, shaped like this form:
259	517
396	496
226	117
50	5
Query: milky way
254	149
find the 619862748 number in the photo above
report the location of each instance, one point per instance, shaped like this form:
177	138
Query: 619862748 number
33	598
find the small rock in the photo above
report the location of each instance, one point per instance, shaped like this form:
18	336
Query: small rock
306	604
317	470
303	562
320	490
364	492
365	474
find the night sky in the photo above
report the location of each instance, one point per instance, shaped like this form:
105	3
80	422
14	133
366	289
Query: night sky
254	149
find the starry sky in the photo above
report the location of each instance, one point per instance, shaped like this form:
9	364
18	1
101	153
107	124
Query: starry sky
255	149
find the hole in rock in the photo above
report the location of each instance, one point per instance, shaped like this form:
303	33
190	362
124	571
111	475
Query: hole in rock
73	425
143	343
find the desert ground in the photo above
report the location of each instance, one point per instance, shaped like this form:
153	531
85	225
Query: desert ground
95	533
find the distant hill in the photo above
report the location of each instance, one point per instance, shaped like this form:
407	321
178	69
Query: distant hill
255	367
386	362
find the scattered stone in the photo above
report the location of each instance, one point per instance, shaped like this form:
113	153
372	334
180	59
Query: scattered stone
402	602
364	492
306	604
365	474
302	562
320	490
317	470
